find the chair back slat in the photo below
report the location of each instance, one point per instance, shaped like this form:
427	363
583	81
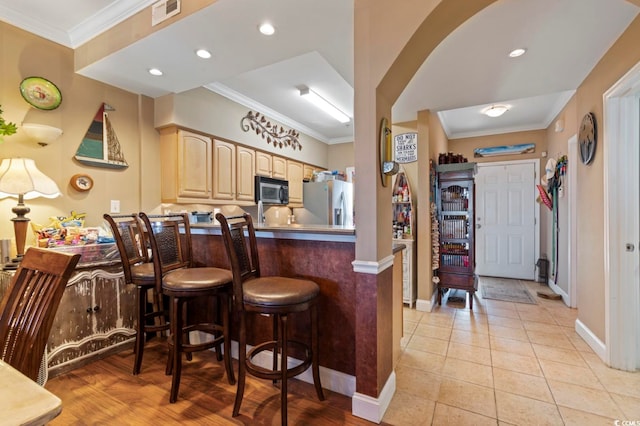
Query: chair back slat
28	308
241	245
170	241
129	236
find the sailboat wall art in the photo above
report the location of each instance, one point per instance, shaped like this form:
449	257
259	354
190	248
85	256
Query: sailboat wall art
100	146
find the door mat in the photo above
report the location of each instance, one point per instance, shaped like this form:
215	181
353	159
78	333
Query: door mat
506	290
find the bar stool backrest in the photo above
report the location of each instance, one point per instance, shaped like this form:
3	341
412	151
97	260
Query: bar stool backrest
132	244
242	252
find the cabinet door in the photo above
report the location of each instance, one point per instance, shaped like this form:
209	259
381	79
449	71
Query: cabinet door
194	165
308	171
245	165
263	164
294	175
224	170
279	168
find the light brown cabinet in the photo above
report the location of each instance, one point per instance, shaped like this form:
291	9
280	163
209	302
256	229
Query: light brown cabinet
224	170
294	176
186	166
279	167
263	164
245	170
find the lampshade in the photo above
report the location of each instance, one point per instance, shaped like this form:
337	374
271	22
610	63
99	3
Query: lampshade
20	176
324	105
41	133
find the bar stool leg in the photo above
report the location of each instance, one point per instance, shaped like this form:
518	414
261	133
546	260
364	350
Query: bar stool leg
315	357
176	350
140	336
242	367
226	332
283	367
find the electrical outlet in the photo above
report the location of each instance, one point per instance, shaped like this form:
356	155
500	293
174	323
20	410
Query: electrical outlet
115	206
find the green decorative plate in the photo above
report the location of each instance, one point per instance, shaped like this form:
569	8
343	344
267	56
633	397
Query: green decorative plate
40	93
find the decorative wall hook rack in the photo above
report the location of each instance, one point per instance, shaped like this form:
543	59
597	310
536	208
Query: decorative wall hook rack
271	132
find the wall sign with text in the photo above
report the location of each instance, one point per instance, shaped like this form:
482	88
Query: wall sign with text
406	147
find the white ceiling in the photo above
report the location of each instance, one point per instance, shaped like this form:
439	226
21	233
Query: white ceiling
313	46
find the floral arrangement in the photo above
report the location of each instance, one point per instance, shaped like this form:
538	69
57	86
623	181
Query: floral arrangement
6	128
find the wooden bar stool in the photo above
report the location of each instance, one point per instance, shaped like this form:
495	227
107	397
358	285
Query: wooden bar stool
171	254
276	296
138	270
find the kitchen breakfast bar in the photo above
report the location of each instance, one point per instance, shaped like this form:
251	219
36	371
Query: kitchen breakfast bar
348	326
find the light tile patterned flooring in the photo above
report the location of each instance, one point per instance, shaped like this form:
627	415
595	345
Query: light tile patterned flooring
505	363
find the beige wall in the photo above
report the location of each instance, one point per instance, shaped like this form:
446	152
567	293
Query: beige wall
340	156
207	112
23	54
623	55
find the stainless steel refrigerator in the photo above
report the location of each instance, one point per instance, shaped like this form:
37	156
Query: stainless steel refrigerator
327	203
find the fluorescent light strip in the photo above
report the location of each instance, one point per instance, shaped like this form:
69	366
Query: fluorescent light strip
324	105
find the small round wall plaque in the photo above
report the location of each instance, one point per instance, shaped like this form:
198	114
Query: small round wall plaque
587	138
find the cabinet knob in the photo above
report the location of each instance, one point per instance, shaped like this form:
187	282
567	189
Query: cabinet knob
478	226
94	309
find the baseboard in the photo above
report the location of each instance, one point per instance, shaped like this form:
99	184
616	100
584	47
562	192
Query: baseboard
423	305
557	290
592	340
373	409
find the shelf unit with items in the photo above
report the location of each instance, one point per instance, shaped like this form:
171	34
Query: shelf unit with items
404	230
455	203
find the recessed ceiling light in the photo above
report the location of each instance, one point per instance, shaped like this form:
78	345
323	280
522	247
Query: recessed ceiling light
517	52
267	29
495	110
203	53
155	71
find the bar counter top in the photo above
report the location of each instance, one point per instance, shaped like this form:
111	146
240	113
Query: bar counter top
296	231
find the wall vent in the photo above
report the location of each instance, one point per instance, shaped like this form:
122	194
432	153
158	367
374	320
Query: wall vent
163	10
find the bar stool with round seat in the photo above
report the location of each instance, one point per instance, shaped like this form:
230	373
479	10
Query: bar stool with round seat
138	270
276	296
171	253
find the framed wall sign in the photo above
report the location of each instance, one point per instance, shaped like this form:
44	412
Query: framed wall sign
406	147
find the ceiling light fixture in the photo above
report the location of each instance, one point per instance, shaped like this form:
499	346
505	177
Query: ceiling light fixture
203	53
155	71
517	52
267	29
324	105
495	110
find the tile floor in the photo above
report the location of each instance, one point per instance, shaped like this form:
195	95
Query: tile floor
505	363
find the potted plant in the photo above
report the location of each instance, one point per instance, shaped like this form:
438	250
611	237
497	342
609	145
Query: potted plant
6	128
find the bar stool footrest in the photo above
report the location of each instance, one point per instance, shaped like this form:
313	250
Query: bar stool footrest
266	373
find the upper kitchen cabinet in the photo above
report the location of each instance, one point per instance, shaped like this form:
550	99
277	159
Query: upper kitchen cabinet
233	172
245	171
186	166
294	176
279	168
263	164
308	171
224	166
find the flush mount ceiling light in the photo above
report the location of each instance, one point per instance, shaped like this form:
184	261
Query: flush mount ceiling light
267	29
495	110
155	71
517	52
324	105
203	53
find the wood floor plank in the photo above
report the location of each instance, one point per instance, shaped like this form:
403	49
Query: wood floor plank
105	392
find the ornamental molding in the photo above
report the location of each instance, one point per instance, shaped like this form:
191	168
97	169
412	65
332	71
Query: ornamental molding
274	134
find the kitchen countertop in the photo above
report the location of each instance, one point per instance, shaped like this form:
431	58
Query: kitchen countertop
296	231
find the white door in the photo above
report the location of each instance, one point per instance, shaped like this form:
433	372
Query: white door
506	220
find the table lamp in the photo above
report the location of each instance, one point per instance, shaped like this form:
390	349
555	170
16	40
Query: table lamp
20	178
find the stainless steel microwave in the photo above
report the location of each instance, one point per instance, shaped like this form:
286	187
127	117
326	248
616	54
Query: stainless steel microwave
271	191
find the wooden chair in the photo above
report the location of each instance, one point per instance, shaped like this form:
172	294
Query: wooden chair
29	307
128	232
278	297
171	253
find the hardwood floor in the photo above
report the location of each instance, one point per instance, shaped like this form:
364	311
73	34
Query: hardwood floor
105	392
